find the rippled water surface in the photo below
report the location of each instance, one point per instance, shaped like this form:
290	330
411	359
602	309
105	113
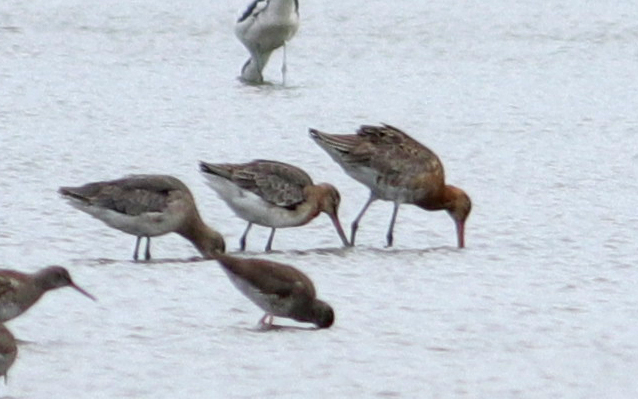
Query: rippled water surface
532	108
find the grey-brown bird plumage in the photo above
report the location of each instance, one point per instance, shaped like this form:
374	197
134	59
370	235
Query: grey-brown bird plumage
279	289
147	206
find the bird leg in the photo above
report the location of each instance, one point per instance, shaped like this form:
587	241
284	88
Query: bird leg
389	236
269	244
253	68
242	240
148	248
137	247
267	320
284	68
355	225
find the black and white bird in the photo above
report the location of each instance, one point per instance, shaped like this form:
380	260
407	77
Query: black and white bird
265	26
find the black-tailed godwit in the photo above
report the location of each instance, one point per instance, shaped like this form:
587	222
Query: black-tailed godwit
396	168
280	290
272	194
19	291
147	206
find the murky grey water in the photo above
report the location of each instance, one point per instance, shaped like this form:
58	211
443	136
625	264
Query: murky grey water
531	107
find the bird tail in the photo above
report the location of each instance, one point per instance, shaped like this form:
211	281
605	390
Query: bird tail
219	169
77	193
343	143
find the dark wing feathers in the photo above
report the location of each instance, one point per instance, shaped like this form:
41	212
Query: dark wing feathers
394	151
269	277
131	202
384	134
279	183
347	148
251	7
132	195
391	153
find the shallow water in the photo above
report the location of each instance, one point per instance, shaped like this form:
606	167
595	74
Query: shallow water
531	108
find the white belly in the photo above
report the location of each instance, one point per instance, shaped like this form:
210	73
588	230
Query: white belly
268	31
149	224
253	208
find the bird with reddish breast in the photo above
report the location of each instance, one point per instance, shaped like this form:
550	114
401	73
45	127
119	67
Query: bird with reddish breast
396	167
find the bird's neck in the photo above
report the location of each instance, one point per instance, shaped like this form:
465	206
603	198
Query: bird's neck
311	207
41	281
194	229
440	200
304	212
205	239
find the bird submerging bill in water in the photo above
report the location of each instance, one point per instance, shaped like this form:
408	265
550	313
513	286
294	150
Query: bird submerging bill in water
396	168
147	206
280	290
265	26
272	194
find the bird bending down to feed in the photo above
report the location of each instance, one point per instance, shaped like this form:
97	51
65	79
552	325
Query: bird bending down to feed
19	291
147	206
8	351
272	194
280	290
265	26
396	168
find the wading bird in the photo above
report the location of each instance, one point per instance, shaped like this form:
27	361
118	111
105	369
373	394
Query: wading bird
396	168
265	26
280	290
146	206
19	291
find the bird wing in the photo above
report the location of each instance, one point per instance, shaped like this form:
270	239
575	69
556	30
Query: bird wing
395	154
253	9
270	278
132	195
383	155
278	183
346	149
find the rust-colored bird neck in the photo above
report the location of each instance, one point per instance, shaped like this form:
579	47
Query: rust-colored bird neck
326	198
457	204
